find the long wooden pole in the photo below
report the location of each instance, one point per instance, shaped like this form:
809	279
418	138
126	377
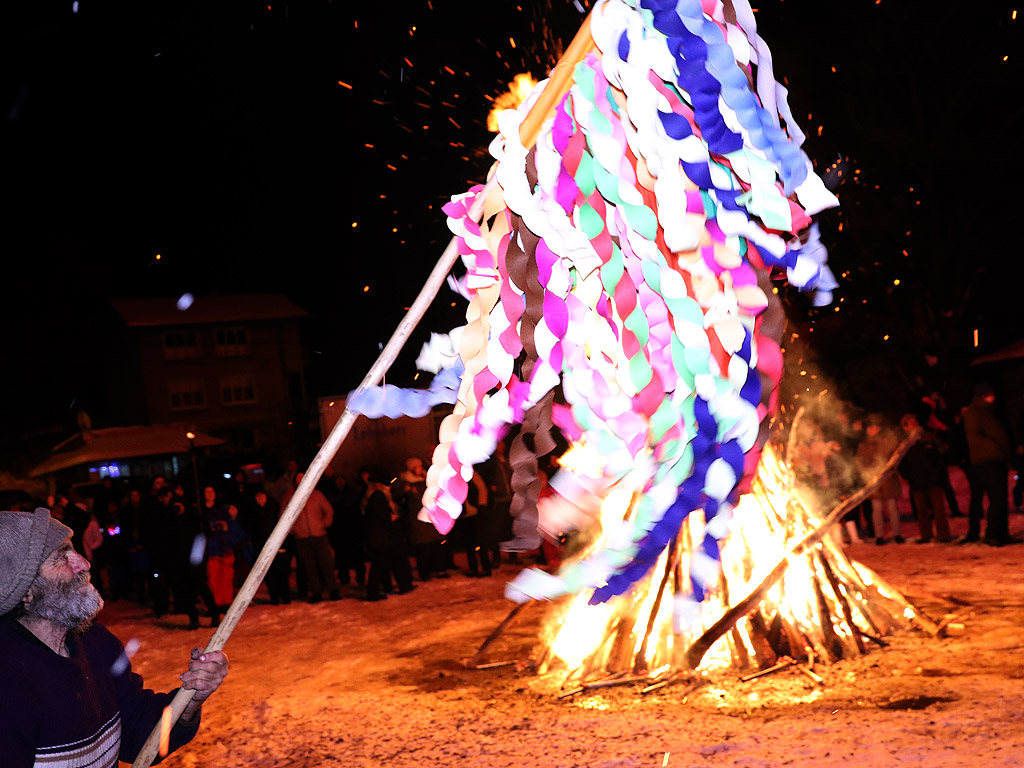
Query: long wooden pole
558	84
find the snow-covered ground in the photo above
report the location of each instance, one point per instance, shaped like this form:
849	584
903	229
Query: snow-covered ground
351	683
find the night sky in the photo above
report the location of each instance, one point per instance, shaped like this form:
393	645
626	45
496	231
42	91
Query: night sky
306	148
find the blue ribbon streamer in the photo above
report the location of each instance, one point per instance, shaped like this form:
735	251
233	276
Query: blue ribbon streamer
394	402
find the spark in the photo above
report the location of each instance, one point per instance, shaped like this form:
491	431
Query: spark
344	85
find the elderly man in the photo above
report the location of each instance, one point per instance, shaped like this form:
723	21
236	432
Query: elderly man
68	695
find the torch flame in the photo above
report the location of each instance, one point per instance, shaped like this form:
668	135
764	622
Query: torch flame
517	92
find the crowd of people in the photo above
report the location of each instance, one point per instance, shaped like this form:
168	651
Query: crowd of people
174	549
838	454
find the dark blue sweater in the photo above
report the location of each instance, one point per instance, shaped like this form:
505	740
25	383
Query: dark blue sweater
86	710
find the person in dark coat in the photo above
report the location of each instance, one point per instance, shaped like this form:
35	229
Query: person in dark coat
923	467
241	544
471	527
186	569
424	539
153	528
346	530
990	451
497	473
138	557
116	551
872	455
385	541
238	493
265	514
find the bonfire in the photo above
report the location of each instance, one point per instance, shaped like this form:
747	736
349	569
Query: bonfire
787	596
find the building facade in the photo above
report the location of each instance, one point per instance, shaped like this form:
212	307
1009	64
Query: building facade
232	366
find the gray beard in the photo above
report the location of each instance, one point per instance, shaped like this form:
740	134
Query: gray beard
63	604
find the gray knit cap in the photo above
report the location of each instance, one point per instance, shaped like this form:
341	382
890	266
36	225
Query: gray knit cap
26	540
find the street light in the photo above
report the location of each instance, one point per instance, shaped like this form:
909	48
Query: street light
195	472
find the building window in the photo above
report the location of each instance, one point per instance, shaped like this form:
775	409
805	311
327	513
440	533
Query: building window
186	394
180	344
232	342
237	390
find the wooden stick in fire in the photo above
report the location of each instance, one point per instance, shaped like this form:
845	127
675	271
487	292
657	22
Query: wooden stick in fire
473	662
703	644
557	85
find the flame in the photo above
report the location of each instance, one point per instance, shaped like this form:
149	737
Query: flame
767	526
517	92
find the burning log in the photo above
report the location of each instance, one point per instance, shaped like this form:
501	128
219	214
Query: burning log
785	664
833	645
877	640
473	661
657	603
843	602
620	679
763	649
810	675
948	620
495	665
653	687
